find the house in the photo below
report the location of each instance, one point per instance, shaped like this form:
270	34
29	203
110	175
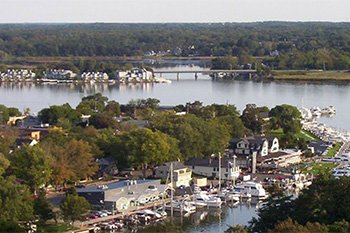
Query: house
17	75
135	74
94	76
59	74
182	174
319	147
261	144
123	194
29	137
107	166
209	167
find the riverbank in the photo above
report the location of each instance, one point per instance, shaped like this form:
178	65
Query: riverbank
312	75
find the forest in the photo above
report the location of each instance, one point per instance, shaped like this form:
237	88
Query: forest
279	45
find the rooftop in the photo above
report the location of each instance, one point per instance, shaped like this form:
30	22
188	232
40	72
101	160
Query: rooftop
115	185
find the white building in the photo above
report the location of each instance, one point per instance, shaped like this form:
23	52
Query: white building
135	74
59	74
261	144
94	76
182	174
17	75
209	167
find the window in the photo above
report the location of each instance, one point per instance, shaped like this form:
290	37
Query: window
214	169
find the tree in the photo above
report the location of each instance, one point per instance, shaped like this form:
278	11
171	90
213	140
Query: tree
42	208
286	117
16	204
251	118
291	226
4	164
32	165
92	104
144	147
113	108
58	114
80	158
73	207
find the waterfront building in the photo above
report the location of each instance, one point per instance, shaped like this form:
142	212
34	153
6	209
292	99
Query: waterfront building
182	174
123	194
134	75
209	167
261	144
94	76
17	75
59	74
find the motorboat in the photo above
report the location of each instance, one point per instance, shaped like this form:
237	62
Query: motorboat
252	188
202	200
178	206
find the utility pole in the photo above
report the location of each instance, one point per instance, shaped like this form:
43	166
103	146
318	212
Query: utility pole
219	171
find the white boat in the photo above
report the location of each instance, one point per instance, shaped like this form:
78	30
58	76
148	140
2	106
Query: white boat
202	200
184	207
252	188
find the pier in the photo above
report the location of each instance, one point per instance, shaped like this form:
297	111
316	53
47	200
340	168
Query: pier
206	72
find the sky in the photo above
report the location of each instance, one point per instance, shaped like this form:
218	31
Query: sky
119	11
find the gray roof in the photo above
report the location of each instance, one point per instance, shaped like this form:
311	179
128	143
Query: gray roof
116	185
176	165
208	162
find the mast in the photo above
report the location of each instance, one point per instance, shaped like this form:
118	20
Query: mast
172	190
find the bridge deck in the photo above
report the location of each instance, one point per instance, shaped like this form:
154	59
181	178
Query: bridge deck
202	71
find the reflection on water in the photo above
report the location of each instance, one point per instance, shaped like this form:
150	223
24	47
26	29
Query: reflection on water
215	220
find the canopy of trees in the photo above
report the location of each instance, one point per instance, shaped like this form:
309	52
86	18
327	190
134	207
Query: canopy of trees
298	45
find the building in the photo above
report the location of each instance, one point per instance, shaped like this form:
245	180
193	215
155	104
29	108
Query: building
261	144
94	76
248	149
279	159
135	74
209	167
17	75
182	174
123	194
319	147
59	74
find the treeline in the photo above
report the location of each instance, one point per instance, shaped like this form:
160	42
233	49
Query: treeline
286	45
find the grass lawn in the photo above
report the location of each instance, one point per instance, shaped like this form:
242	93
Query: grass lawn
302	134
61	227
312	75
319	168
333	150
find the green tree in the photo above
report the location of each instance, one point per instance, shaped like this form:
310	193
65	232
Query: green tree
42	208
32	165
144	147
286	117
73	207
252	119
16	204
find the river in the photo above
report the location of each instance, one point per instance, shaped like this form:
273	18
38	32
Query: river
239	93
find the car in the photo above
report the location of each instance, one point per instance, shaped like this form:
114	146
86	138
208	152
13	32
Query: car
102	214
92	216
107	212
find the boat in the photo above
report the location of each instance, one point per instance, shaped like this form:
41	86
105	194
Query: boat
182	207
202	200
252	188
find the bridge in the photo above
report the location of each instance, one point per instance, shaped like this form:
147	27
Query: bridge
208	72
